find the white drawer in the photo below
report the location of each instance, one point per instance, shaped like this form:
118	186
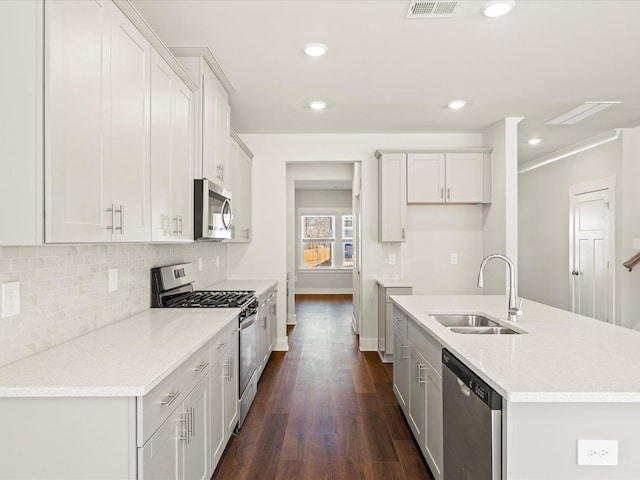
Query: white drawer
155	407
428	347
400	320
222	340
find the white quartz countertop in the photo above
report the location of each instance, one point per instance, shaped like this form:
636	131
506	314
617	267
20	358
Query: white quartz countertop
126	358
563	357
393	282
258	286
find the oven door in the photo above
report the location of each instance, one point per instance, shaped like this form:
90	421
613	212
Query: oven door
248	358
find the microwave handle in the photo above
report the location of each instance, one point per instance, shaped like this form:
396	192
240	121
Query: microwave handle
226	206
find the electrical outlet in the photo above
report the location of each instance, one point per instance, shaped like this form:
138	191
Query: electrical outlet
392	259
113	279
200	264
598	452
10	299
454	259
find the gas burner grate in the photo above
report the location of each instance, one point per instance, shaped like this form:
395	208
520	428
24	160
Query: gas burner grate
213	299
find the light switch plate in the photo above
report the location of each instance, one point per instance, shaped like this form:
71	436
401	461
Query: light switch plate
10	299
454	259
392	259
113	279
598	452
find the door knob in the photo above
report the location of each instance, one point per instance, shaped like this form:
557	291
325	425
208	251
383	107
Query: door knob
575	273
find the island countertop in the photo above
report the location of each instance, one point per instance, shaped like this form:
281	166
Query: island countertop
559	356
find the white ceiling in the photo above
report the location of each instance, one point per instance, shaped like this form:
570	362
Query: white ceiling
386	74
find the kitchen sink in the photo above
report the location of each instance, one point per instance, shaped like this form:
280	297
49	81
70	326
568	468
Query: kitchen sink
464	320
484	330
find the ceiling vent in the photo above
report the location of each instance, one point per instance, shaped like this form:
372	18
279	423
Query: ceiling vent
436	9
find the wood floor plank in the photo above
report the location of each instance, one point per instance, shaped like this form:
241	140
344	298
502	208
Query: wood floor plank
324	409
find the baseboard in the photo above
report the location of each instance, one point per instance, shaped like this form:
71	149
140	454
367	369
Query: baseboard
368	344
292	319
282	345
324	291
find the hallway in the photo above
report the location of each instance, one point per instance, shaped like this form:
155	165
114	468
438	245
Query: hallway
324	410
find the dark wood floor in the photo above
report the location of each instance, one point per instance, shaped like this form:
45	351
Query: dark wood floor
324	410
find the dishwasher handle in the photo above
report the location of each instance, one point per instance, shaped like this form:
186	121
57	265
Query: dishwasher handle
470	383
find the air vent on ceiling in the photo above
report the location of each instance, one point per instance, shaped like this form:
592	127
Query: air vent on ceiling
435	9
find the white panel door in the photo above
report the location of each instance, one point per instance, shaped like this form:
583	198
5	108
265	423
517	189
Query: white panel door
76	119
182	160
425	178
162	456
392	174
128	166
196	451
162	78
591	262
464	177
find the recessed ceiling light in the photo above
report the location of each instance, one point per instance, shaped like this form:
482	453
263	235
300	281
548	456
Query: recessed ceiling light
534	141
457	104
317	105
498	8
315	49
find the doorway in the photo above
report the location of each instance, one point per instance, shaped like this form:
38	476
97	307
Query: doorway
592	249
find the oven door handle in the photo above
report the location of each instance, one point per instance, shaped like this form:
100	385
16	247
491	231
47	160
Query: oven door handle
248	322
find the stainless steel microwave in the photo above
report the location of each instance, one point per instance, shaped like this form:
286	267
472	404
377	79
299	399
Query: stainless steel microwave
213	217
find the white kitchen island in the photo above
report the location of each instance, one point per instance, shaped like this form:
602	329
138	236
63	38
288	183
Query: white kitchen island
564	378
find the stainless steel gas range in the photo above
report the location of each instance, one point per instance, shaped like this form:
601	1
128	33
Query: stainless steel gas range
172	287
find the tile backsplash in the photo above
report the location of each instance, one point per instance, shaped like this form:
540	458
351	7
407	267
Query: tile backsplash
64	288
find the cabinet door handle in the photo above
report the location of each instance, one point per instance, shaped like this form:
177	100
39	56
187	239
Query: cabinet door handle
227	375
170	399
180	225
420	379
121	212
192	422
185	428
177	230
442	193
403	232
448	193
201	366
220	346
246	233
113	217
403	347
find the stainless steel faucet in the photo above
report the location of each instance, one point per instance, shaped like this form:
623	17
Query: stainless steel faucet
513	310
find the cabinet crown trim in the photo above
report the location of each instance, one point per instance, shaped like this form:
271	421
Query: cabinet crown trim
205	52
241	144
152	37
379	153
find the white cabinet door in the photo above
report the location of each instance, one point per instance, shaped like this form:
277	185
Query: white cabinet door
465	173
261	343
162	455
216	127
273	320
128	166
196	451
240	184
401	370
21	120
77	57
392	191
163	225
171	154
432	443
417	382
231	387
217	422
182	161
425	177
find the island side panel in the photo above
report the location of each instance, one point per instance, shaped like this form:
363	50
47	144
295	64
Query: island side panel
541	439
67	437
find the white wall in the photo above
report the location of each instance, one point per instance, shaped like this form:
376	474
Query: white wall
266	256
544	220
320	281
500	217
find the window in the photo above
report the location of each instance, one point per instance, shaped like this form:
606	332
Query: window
326	240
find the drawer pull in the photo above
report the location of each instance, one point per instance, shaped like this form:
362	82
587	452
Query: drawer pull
220	346
170	399
201	366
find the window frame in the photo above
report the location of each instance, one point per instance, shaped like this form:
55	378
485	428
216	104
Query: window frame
337	242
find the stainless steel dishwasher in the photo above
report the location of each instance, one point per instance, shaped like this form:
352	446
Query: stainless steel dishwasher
472	424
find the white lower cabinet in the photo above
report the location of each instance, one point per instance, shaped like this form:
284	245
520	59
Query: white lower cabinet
163	455
417	384
266	329
232	380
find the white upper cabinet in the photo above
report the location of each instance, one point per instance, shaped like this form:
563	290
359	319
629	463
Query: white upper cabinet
448	177
21	114
171	154
216	128
392	178
240	163
97	93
